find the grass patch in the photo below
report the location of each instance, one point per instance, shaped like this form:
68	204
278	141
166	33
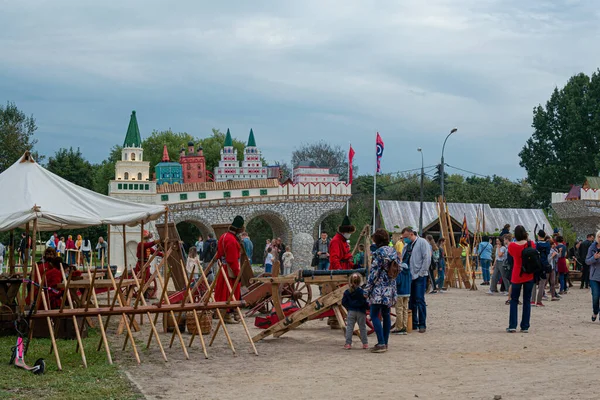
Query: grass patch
99	381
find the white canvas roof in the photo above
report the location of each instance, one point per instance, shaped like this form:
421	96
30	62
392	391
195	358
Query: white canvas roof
29	191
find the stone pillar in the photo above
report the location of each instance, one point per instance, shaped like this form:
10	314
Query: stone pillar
302	244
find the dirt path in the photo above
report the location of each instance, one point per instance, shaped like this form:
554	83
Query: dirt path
465	354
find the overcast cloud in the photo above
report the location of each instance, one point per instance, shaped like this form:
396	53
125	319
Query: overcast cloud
298	72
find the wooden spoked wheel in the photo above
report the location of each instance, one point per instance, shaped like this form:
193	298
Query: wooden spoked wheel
299	293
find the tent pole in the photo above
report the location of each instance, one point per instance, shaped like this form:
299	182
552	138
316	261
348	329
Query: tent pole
107	256
25	257
11	254
124	247
34	242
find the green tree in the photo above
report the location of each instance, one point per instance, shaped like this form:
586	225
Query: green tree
565	144
324	155
105	171
70	165
16	135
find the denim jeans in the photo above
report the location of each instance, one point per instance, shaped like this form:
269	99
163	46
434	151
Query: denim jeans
485	270
514	304
595	286
563	282
441	277
323	264
268	268
417	302
382	332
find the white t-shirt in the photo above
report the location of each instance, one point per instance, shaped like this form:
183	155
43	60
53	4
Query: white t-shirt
287	259
269	259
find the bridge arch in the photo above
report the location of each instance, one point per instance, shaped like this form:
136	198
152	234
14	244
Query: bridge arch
200	223
322	218
276	221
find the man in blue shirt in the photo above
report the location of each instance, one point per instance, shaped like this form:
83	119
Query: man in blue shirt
484	251
248	245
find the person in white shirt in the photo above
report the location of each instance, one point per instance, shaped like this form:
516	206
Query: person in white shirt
86	249
287	257
193	263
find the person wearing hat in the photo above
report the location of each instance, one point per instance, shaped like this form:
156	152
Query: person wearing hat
340	256
145	249
228	252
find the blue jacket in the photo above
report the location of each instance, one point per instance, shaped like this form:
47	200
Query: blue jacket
484	251
248	247
403	281
355	301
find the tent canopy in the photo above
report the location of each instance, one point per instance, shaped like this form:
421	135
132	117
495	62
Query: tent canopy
29	191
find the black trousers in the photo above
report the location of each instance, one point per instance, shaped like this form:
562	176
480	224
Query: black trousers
585	276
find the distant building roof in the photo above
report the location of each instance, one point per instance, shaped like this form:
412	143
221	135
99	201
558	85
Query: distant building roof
307	164
396	215
592	182
574	193
251	141
133	139
227	185
228	140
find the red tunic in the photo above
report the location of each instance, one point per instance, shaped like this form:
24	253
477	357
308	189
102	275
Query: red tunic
339	253
228	252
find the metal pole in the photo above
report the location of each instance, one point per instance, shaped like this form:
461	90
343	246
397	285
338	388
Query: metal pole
422	193
375	192
442	164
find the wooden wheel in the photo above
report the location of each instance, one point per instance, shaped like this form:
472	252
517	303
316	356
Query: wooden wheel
299	293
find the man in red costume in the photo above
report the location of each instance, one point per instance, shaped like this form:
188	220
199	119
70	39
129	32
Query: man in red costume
339	249
144	251
228	252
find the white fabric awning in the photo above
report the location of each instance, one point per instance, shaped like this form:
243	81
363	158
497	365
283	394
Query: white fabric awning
29	191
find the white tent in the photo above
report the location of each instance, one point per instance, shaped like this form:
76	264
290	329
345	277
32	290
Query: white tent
29	191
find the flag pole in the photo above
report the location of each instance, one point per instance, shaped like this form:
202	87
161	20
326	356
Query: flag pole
375	188
348	201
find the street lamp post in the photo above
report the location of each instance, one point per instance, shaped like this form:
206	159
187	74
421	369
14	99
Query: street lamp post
442	164
422	188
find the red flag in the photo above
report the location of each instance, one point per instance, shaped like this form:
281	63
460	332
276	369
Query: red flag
465	229
350	159
379	150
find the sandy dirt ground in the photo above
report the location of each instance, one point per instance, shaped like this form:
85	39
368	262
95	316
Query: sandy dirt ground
465	354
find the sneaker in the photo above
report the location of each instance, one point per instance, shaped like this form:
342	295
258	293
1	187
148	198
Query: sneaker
365	346
594	318
402	332
433	292
507	302
347	346
544	297
511	330
422	330
555	299
378	348
533	303
524	330
540	304
558	296
504	293
490	292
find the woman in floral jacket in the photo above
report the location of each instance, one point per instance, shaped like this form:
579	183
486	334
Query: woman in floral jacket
380	290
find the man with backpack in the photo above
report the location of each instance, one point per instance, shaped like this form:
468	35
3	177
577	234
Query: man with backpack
417	255
585	269
541	278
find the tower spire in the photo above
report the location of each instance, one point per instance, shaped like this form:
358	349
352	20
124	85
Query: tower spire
228	140
133	139
251	141
165	157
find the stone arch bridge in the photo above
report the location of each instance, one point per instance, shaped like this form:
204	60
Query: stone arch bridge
296	219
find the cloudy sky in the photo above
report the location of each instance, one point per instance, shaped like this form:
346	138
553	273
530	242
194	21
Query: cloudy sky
298	72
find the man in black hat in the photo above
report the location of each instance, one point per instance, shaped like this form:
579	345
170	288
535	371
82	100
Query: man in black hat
228	252
339	249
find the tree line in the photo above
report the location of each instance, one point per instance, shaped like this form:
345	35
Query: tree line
563	149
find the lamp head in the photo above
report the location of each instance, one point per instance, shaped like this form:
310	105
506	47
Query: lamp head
453	130
419	149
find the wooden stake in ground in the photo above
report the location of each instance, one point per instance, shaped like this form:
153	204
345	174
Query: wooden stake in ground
100	323
75	324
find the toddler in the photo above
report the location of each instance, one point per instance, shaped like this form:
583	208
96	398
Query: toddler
355	302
